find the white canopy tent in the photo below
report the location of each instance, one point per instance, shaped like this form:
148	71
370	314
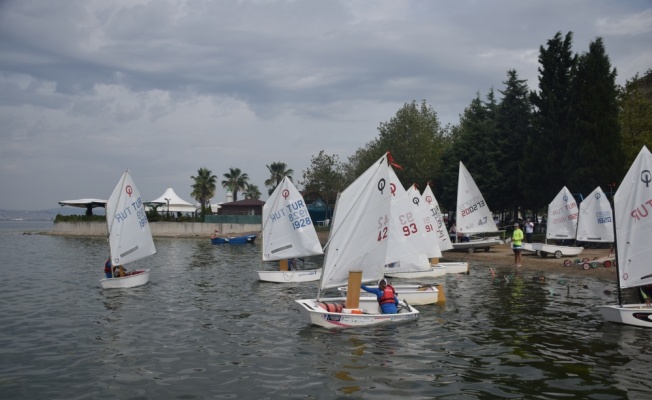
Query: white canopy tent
88	204
177	204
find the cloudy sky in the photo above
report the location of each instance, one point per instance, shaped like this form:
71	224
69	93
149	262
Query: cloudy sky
90	88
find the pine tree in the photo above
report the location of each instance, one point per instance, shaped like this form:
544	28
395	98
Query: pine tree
594	155
513	125
543	174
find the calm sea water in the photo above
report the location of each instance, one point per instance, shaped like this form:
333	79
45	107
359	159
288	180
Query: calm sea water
205	328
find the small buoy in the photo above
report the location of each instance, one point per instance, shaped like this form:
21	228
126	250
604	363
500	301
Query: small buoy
561	282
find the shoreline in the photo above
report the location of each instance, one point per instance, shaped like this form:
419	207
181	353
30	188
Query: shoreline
503	256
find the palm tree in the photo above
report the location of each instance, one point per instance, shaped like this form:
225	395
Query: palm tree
252	192
277	172
235	181
204	187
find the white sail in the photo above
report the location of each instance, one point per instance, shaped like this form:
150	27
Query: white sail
434	212
130	237
595	222
473	214
288	230
562	216
428	223
406	248
633	214
360	228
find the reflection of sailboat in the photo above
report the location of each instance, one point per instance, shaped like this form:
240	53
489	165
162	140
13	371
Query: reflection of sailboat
633	222
561	225
130	238
356	252
473	215
430	202
288	233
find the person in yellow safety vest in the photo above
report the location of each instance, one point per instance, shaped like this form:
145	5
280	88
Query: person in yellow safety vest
644	294
517	239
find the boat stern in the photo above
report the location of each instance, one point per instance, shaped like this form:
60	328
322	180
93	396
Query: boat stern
136	278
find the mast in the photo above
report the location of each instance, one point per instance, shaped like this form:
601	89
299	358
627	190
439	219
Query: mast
620	291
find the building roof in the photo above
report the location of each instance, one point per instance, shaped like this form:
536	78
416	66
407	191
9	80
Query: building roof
244	203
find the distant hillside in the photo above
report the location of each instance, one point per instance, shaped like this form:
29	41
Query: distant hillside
44	215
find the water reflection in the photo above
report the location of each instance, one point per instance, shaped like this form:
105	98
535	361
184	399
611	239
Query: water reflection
204	326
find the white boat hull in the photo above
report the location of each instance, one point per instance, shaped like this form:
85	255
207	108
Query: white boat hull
371	315
543	249
473	245
628	314
461	267
138	278
307	275
433	272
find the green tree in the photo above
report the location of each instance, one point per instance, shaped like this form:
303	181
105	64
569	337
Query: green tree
325	176
475	145
235	181
252	192
513	124
277	170
416	141
635	104
204	188
594	154
543	174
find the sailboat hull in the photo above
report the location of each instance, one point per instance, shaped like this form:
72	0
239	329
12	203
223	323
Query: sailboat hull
433	272
543	250
308	275
316	315
453	267
477	244
137	278
628	314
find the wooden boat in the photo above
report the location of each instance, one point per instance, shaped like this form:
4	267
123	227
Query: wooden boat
288	233
633	222
130	238
356	253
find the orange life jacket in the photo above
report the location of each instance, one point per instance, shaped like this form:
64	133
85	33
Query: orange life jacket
388	295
